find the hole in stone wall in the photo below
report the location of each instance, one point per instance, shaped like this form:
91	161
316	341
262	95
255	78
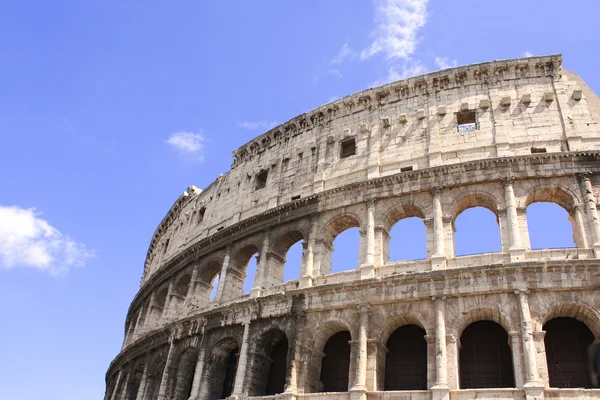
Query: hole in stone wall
261	179
406	169
201	213
466	121
250	272
293	259
215	287
549	226
535	150
347	148
408	240
476	232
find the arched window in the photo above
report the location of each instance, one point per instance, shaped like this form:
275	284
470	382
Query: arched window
214	287
284	259
250	273
485	357
208	283
240	279
134	383
335	367
159	303
185	375
179	293
154	378
269	364
408	240
549	226
345	251
406	360
567	341
219	371
477	232
229	376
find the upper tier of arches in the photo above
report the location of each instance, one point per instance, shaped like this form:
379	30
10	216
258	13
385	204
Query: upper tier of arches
400	128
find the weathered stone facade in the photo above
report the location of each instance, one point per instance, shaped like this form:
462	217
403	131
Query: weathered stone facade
499	135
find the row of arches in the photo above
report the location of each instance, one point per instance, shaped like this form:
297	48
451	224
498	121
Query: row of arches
485	360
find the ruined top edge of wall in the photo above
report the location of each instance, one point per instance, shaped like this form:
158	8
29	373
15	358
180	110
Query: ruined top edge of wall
472	74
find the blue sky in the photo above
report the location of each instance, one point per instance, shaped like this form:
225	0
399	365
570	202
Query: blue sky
110	109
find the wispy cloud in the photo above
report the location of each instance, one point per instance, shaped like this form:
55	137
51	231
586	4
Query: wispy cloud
526	54
27	240
345	53
445	63
397	23
257	125
190	146
405	70
335	72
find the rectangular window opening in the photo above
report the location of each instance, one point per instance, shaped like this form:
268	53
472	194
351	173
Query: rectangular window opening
406	169
347	148
295	197
466	121
261	179
538	150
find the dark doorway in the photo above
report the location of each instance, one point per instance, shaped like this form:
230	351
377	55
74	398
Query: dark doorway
277	371
485	357
335	367
406	360
566	343
231	369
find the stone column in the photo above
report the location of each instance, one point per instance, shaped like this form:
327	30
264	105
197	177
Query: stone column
240	374
199	368
361	365
148	319
438	260
581	233
440	389
516	250
587	193
297	354
191	289
368	268
164	382
307	271
223	275
529	353
138	322
514	341
165	312
143	383
261	268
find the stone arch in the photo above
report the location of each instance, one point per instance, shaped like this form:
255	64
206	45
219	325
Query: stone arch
580	311
331	229
276	258
220	369
159	304
237	271
406	364
567	200
208	272
156	369
483	314
399	318
135	379
471	200
394	215
269	364
179	294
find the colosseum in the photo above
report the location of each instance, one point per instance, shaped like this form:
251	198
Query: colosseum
512	324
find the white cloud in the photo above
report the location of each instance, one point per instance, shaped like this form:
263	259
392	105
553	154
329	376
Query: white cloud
257	125
345	53
26	240
335	72
397	23
526	54
189	145
445	63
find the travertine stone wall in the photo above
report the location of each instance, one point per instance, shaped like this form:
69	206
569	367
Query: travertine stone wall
536	139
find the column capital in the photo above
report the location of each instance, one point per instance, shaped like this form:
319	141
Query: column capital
584	176
507	181
371	201
364	308
436	190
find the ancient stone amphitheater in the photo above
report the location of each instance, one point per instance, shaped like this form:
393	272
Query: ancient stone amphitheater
513	324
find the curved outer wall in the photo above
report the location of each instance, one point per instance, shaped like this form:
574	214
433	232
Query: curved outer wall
535	138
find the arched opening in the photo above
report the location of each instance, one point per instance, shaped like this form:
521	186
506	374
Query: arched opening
406	360
154	378
408	240
341	245
284	259
269	364
476	232
159	303
485	357
240	277
134	383
185	375
220	370
180	291
345	251
208	282
335	367
550	226
567	341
